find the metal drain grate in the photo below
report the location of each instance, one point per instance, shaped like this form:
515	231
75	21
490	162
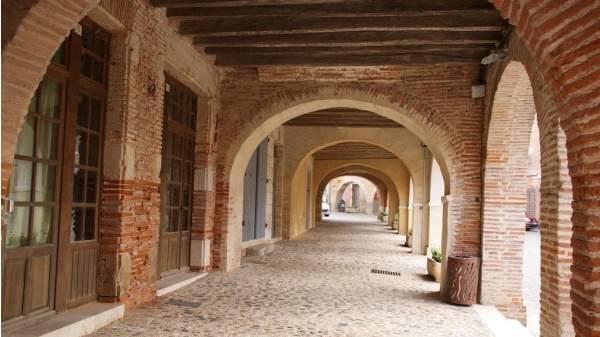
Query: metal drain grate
385	272
184	303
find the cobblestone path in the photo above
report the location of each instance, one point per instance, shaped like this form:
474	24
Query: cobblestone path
319	284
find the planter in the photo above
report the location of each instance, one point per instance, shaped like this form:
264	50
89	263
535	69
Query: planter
462	280
385	218
434	269
408	240
395	225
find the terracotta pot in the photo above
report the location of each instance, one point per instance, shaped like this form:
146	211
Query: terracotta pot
408	240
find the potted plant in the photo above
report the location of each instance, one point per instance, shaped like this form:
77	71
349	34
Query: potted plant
384	216
395	221
434	264
409	238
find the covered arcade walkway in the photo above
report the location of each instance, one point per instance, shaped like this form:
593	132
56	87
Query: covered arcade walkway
319	284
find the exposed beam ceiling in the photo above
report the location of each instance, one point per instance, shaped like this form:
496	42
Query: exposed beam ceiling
261	33
353	151
343	117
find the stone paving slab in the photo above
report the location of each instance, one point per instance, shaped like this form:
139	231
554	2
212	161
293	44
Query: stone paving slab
319	284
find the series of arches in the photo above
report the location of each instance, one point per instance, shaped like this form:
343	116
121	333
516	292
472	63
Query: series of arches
565	97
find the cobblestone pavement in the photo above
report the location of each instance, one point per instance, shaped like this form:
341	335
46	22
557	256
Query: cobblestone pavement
531	280
319	284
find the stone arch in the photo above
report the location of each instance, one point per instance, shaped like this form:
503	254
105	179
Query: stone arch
556	192
407	110
28	46
365	193
561	40
381	179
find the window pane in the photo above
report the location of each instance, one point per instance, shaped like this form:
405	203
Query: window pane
90	223
26	137
170	141
98	71
93	151
50	98
188	149
86	65
176	170
42	226
87	38
166	221
77	223
45	183
96	112
176	195
184	220
81	148
48	140
21	178
79	185
82	110
92	187
174	221
17	229
59	56
186	196
186	172
177	145
99	46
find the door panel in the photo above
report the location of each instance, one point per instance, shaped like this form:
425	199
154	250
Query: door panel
261	189
12	292
255	194
41	281
177	177
249	217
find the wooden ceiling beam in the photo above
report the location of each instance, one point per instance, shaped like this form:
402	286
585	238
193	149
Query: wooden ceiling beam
354	39
326	4
370	50
303	59
362	9
291	24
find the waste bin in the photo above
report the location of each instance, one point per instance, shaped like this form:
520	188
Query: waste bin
342	206
461	280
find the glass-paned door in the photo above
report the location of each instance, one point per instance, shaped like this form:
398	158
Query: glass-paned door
177	177
31	232
49	260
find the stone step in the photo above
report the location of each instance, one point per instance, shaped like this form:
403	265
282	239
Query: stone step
499	325
260	250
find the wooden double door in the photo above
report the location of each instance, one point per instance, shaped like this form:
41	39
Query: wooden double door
50	247
177	177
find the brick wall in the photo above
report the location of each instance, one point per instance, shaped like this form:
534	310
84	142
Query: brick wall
444	116
525	99
563	39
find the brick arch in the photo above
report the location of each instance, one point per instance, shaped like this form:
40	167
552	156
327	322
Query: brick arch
25	58
504	195
556	190
380	179
401	107
562	40
283	106
367	196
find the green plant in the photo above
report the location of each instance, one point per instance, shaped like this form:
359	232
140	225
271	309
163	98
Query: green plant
396	217
384	213
436	255
410	232
17	241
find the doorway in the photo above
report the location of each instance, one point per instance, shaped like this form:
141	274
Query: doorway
50	251
177	177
